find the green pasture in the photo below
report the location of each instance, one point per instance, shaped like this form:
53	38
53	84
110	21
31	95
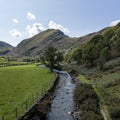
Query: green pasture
21	83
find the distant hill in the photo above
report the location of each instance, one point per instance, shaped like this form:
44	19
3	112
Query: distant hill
36	45
5	48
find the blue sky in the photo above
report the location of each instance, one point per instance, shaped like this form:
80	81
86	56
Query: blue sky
21	19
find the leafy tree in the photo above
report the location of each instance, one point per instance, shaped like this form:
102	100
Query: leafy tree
117	45
108	34
76	55
51	58
104	56
88	54
97	39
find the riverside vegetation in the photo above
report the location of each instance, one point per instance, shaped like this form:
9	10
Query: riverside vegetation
99	61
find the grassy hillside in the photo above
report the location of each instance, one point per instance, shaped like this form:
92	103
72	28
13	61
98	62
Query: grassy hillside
99	61
4	48
100	49
18	84
106	84
36	45
55	38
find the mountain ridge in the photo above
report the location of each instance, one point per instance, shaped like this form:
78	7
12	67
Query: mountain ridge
5	48
36	45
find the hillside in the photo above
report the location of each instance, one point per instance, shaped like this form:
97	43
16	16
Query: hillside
36	45
4	48
97	67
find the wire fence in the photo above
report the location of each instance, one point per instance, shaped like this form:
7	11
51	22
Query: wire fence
33	98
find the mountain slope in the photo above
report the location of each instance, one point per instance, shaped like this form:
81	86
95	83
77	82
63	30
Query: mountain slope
5	48
36	45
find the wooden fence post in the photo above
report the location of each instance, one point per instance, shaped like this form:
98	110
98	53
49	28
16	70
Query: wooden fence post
16	112
42	90
26	103
32	98
3	118
37	95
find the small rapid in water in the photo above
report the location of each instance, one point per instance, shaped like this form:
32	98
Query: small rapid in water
62	104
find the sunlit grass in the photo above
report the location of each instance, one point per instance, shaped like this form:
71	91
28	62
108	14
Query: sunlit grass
18	84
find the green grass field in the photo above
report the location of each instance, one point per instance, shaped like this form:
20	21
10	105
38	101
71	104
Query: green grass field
18	84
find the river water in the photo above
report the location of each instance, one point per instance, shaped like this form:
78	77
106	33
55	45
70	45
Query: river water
62	104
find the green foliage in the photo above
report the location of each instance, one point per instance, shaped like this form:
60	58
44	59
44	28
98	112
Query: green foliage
17	84
51	58
88	102
88	54
75	55
108	85
104	56
98	50
108	34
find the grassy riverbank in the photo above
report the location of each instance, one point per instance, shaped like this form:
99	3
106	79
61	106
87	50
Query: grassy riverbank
106	85
86	100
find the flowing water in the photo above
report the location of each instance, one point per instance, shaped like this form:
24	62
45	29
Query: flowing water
62	105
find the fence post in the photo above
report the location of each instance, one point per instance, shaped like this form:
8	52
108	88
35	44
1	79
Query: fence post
42	90
3	118
26	103
16	112
32	98
37	95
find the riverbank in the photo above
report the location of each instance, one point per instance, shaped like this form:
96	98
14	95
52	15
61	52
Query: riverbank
62	105
39	110
86	101
106	84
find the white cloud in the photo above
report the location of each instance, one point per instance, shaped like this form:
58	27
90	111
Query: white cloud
113	23
15	20
34	29
53	25
30	16
15	33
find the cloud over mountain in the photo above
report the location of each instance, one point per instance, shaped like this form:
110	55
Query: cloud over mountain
54	25
15	33
34	29
113	23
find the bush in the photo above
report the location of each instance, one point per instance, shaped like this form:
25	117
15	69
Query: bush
115	114
87	101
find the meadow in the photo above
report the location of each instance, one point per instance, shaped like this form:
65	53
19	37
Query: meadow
21	84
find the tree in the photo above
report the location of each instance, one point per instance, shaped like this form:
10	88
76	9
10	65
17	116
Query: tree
76	55
104	56
51	58
89	54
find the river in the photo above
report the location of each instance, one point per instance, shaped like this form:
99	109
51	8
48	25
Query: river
62	104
